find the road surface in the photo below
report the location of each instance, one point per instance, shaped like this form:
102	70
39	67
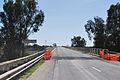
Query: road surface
68	64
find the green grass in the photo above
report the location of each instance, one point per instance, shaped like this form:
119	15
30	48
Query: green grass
29	71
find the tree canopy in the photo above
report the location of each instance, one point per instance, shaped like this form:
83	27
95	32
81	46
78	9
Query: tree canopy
113	27
96	31
77	41
19	19
106	35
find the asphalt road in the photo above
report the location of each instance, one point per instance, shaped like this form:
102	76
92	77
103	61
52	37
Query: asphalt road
73	65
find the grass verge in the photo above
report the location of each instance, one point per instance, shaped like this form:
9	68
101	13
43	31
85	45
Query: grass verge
28	72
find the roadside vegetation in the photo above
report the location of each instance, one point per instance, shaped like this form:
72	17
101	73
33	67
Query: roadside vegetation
27	73
19	19
77	41
104	33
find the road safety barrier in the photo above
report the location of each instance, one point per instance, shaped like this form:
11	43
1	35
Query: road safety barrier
93	51
109	55
20	65
104	53
47	54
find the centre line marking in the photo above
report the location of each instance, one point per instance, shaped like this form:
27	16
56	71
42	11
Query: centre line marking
96	69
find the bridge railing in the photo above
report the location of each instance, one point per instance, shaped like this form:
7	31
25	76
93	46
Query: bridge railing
93	51
10	68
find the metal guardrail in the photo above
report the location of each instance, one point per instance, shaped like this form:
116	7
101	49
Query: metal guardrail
14	72
93	51
8	65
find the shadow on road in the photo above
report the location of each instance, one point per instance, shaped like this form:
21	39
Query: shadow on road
74	58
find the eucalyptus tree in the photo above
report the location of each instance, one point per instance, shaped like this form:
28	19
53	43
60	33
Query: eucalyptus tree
19	19
113	27
96	30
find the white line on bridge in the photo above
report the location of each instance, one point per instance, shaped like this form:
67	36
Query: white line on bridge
96	69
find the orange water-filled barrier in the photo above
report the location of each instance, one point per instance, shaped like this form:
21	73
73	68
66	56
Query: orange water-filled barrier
47	54
109	55
115	57
102	53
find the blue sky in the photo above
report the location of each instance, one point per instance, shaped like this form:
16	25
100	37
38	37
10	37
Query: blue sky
66	18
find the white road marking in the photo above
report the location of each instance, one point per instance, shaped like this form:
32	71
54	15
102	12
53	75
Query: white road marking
96	69
53	50
87	74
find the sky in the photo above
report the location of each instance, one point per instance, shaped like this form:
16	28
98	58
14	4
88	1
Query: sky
65	19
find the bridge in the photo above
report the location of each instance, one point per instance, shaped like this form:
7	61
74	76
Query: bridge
68	64
84	60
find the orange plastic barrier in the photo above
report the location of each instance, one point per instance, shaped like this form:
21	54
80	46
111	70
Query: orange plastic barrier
108	56
114	57
102	53
47	54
